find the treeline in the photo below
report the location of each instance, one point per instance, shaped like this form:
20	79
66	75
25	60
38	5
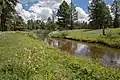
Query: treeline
38	24
101	16
67	16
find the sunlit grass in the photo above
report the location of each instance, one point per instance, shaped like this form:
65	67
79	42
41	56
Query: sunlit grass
112	37
23	57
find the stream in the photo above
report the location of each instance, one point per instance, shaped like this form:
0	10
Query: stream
108	57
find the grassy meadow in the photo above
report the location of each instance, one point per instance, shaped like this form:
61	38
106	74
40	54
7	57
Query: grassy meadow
23	57
112	37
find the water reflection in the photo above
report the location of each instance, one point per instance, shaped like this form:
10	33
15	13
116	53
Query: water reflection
112	60
107	56
82	50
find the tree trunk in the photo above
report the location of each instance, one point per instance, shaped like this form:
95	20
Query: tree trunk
71	26
103	30
116	22
3	20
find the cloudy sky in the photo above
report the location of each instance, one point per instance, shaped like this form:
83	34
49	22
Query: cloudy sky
42	9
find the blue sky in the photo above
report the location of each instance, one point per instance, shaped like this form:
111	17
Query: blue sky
79	3
84	3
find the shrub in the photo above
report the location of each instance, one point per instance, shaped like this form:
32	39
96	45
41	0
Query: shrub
60	34
32	35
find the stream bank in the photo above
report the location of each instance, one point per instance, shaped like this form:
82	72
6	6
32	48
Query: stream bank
112	38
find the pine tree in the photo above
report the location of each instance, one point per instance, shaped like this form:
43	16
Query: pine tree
7	8
50	25
99	14
66	16
116	11
74	15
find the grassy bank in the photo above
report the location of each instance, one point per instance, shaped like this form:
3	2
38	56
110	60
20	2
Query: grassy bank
23	57
111	39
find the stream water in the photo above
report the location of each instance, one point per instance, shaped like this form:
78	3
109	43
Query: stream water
108	57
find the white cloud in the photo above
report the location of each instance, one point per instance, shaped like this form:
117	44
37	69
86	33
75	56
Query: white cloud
109	6
41	13
90	1
23	13
82	15
43	9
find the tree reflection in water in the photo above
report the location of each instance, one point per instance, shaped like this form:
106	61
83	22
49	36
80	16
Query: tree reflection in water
106	56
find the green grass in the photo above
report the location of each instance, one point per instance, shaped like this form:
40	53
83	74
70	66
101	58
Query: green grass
111	39
23	57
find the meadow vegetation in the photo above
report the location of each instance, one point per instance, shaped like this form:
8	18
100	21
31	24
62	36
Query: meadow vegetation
112	37
23	57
